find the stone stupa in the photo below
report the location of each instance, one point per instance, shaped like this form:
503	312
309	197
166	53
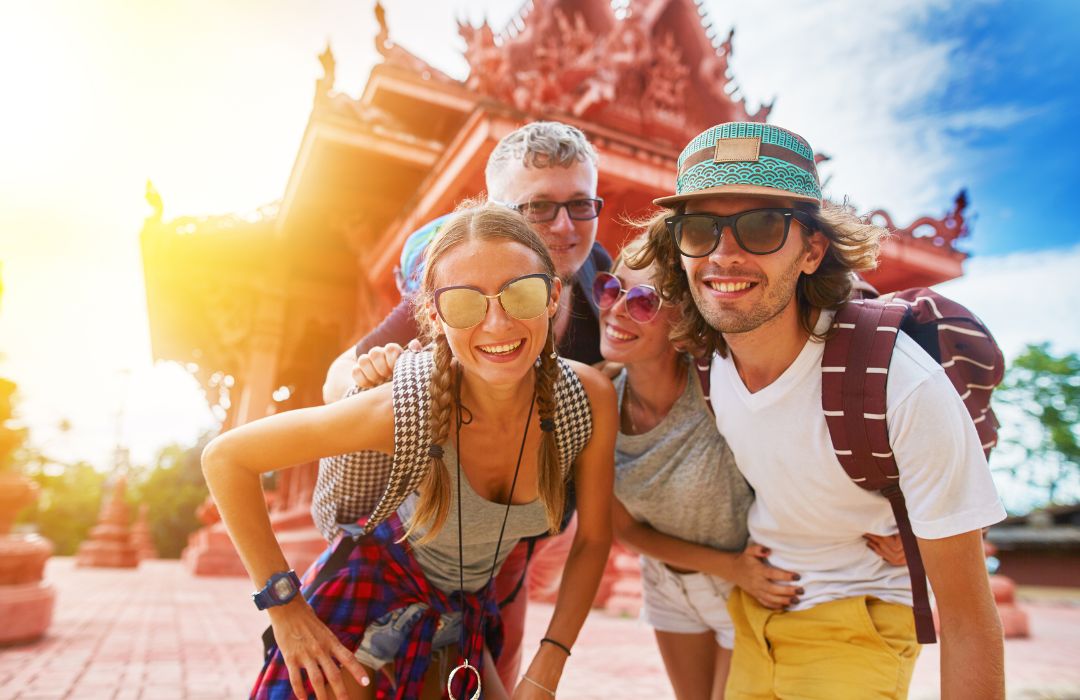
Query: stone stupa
110	542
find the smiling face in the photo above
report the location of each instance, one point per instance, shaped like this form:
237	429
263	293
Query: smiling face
622	339
568	241
736	291
500	349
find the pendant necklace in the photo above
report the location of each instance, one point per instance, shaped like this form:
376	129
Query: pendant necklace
628	402
466	666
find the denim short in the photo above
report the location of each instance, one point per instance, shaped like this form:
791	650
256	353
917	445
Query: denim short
384	637
686	603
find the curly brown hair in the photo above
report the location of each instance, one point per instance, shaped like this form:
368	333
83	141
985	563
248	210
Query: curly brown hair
854	244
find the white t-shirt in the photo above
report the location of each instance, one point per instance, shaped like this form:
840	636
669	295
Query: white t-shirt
810	513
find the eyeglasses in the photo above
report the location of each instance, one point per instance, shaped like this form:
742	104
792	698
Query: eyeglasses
522	298
541	211
758	231
642	301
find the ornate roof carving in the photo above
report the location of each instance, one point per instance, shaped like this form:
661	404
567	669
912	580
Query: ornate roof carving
648	68
941	233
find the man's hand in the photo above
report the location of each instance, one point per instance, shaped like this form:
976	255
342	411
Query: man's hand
888	547
376	367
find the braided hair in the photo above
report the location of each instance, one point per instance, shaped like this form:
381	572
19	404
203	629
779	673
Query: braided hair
484	222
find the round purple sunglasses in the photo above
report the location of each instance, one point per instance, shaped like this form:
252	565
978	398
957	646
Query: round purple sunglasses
642	301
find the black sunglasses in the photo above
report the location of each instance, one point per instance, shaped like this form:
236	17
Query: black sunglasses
757	231
543	211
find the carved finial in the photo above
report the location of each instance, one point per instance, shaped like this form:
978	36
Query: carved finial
382	39
325	84
961	201
380	15
956	221
727	47
154	200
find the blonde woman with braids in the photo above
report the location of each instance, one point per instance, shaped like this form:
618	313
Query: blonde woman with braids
414	598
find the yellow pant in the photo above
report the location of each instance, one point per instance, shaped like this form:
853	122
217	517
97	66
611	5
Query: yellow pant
860	648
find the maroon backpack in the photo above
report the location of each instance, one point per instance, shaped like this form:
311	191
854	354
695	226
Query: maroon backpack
854	374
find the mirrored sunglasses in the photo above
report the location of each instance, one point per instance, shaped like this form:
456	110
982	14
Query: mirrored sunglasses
523	298
758	231
642	301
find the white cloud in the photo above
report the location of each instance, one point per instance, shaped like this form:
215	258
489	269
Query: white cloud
853	77
1025	297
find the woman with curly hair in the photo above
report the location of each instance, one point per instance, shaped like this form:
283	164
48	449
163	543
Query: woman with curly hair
680	500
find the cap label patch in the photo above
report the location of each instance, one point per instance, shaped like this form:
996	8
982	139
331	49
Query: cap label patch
737	150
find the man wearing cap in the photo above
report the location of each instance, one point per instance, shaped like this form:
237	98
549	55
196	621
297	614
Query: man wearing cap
758	264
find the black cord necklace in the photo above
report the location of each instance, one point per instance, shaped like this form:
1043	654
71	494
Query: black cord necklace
465	665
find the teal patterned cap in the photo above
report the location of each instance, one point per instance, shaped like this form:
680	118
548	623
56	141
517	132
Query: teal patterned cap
746	158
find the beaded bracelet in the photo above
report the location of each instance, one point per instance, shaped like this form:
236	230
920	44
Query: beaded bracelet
557	643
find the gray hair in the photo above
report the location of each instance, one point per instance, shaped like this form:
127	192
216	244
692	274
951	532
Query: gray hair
539	145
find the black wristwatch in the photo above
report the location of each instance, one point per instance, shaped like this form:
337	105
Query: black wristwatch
280	588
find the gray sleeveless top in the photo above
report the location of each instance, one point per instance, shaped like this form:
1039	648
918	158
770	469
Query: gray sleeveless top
480	523
374	485
680	477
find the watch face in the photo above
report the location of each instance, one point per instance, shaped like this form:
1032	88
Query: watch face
282	588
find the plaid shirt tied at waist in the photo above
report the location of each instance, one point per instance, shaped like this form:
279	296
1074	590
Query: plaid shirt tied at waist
382	575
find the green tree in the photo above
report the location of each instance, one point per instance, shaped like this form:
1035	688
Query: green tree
69	503
1046	387
172	488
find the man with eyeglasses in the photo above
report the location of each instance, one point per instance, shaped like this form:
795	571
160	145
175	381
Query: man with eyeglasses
759	264
547	171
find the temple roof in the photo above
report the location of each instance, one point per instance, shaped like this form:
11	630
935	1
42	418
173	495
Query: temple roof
653	68
639	77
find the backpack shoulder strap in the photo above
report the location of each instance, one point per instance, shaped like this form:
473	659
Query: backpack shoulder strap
573	416
854	377
965	348
703	370
412	401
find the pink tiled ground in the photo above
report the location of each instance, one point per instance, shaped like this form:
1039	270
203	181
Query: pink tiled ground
157	632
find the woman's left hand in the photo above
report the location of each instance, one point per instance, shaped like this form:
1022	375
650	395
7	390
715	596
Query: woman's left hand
888	547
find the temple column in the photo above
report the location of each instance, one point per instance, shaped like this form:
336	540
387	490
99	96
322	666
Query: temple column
210	552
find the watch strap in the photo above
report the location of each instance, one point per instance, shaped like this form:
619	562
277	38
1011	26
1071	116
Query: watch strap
266	599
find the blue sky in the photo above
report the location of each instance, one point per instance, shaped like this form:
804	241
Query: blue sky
1015	88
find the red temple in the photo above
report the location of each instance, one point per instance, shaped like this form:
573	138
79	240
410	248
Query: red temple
259	309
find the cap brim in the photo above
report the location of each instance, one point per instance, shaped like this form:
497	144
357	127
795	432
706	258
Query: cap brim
731	191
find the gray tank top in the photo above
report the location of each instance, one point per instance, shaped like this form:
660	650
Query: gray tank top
480	523
680	477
